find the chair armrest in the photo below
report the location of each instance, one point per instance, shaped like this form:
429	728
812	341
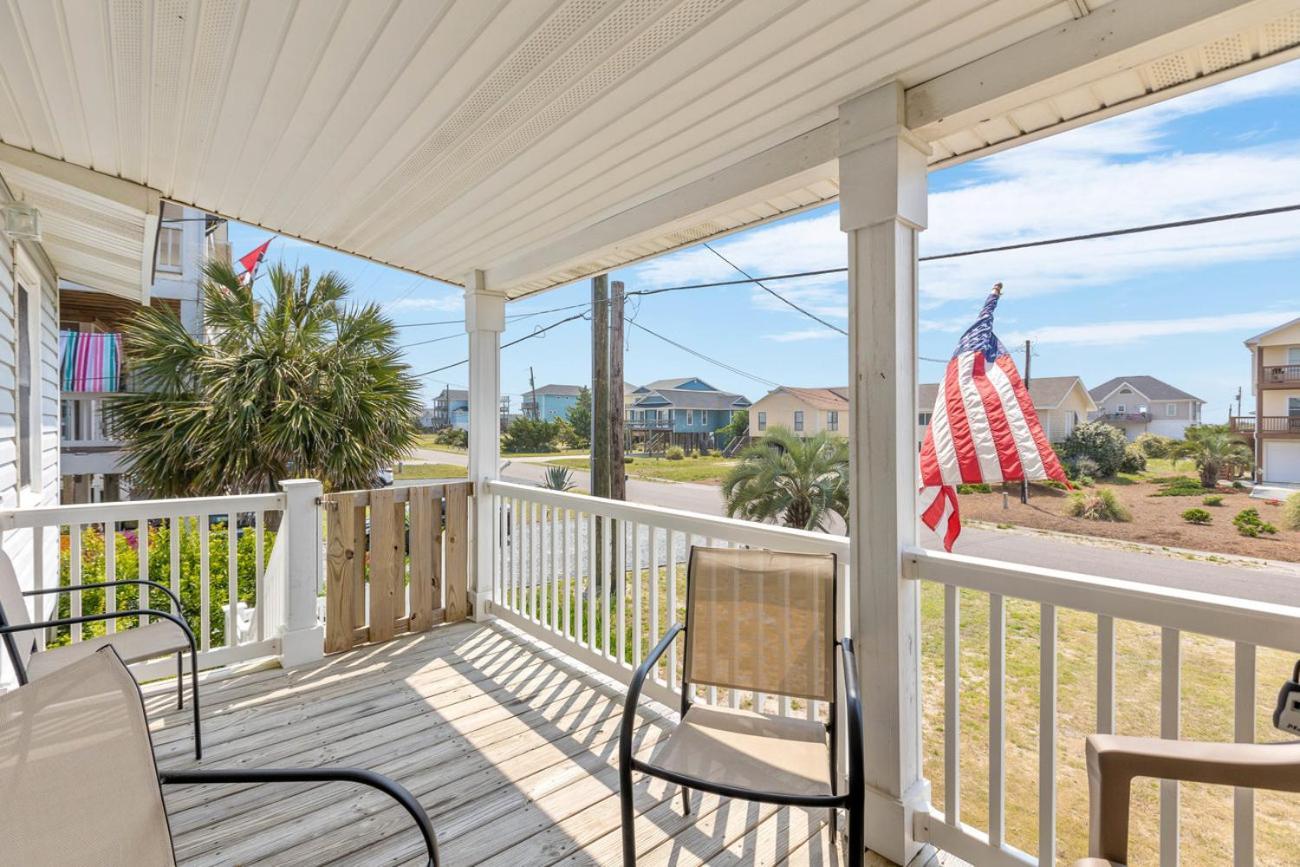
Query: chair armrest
316	775
1114	761
853	718
107	615
634	690
151	584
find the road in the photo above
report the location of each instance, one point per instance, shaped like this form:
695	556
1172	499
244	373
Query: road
1275	582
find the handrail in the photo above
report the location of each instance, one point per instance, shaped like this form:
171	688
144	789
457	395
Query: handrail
134	510
743	532
1259	623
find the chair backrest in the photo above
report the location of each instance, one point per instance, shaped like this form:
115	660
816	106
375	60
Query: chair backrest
761	620
77	770
13	612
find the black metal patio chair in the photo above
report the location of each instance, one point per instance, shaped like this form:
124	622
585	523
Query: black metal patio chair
762	622
168	633
80	780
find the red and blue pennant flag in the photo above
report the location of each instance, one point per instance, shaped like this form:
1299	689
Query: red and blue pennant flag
983	430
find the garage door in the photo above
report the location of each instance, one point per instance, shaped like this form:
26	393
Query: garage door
1282	462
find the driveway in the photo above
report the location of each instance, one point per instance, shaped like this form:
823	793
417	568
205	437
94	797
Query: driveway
1273	582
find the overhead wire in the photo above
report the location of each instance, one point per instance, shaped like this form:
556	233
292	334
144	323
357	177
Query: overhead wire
774	293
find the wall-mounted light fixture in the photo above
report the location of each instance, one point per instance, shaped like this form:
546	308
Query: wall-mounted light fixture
22	222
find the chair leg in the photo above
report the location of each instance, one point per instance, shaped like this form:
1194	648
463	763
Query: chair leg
625	808
686	801
857	831
180	680
194	681
835	823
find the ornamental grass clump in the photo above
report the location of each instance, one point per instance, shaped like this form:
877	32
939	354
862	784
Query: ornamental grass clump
1291	512
1100	504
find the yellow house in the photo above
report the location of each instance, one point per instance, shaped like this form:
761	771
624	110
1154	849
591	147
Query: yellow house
806	411
1275	427
1061	402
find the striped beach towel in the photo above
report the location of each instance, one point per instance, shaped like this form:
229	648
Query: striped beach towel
90	362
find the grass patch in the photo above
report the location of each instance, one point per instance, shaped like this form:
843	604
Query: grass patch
704	470
431	471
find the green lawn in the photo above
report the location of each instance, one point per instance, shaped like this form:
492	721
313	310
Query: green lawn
431	471
708	470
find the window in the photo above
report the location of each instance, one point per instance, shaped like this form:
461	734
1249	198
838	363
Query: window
27	417
923	418
798	419
1171	409
762	421
169	248
1293	407
1293	355
832	420
690	417
1119	408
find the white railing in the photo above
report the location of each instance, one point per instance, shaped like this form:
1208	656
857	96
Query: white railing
82	421
549	547
1247	625
229	583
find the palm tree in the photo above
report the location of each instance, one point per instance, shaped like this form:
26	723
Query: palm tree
1213	450
799	481
296	384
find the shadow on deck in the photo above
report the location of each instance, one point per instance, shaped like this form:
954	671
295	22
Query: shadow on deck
511	749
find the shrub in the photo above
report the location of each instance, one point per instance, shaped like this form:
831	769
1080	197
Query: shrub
1085	481
627	459
1097	505
191	584
529	435
675	453
1179	486
1197	516
1249	523
1098	442
452	436
704	452
1135	459
1237	485
1291	512
1154	445
980	488
1212	500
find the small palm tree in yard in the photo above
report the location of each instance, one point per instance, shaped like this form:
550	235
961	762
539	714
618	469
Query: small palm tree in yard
296	384
799	482
1214	451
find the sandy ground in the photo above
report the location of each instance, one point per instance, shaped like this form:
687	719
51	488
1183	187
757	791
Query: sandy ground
1156	520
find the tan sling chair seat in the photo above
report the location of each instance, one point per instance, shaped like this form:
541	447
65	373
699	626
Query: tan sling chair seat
759	622
1114	761
160	638
79	779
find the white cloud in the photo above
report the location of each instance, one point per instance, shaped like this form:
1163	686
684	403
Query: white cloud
1132	331
804	334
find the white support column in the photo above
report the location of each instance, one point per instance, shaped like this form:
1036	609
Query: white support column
485	319
302	639
882	210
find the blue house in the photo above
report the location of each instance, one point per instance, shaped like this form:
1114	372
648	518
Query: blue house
685	405
550	402
451	409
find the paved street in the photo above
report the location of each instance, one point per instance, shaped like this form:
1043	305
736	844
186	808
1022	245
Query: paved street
1278	583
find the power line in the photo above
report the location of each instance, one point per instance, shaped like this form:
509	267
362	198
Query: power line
769	383
536	333
776	294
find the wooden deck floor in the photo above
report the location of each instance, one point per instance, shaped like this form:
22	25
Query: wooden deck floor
513	752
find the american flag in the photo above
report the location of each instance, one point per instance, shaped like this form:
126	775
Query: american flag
983	428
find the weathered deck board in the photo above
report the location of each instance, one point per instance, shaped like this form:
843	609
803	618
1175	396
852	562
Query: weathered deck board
511	749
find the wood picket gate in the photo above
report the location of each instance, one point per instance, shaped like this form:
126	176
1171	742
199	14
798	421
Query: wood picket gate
396	561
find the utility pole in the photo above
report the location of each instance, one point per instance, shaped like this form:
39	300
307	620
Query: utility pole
532	383
617	472
599	412
1024	483
1239	400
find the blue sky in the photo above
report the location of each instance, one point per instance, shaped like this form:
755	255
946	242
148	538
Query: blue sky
1175	304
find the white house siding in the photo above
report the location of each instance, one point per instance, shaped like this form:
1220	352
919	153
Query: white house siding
36	564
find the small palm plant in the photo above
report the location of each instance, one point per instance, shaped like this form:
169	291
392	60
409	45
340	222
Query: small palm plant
800	482
1214	450
298	383
558	479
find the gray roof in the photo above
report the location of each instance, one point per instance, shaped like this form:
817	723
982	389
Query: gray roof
454	394
1152	388
1045	391
559	390
687	398
661	384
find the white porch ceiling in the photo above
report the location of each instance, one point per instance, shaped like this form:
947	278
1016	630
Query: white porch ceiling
545	140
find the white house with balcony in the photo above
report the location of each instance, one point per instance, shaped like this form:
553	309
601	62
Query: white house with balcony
1144	404
515	153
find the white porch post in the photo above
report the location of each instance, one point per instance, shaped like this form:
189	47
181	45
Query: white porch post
485	319
882	210
302	639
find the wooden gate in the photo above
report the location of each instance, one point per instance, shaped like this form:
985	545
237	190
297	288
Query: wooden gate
409	546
